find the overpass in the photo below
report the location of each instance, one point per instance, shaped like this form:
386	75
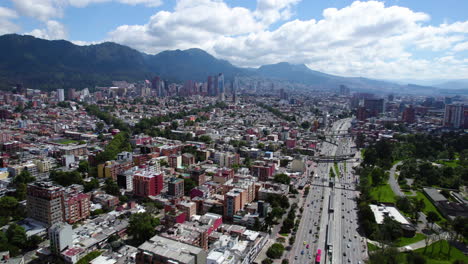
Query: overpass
336	158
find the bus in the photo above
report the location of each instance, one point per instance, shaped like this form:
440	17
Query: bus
331	201
318	256
329	243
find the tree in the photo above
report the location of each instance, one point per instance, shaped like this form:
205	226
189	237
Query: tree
99	126
20	193
83	166
377	175
142	226
275	251
91	185
267	261
282	178
418	205
205	138
111	187
432	217
24	177
8	206
66	178
415	258
285	261
404	204
189	184
460	226
123	198
16	235
305	125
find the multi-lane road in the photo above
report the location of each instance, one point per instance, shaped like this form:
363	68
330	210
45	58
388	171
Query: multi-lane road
333	229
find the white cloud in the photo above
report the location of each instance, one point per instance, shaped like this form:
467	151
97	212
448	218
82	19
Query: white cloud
47	9
194	23
53	30
270	11
149	3
461	46
362	39
40	9
6	26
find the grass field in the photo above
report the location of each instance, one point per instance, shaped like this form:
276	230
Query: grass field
371	247
404	241
66	141
337	170
451	163
429	206
437	253
383	193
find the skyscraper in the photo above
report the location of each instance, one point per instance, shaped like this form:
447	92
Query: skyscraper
409	115
210	86
60	95
374	106
454	116
221	88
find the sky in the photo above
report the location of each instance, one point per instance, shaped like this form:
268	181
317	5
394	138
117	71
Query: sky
392	39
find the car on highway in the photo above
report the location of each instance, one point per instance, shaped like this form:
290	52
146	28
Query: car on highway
302	252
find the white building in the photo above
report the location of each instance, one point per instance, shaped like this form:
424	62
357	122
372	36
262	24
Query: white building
61	237
60	95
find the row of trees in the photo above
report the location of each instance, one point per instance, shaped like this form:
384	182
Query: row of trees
425	173
277	112
146	124
417	146
120	142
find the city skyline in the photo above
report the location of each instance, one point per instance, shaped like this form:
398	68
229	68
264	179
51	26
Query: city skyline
392	40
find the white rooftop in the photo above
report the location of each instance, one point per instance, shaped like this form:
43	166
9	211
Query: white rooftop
381	210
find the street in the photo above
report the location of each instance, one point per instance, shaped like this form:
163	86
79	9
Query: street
340	220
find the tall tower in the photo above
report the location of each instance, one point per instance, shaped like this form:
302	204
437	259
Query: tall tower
221	89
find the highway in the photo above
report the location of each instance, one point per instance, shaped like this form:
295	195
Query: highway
347	245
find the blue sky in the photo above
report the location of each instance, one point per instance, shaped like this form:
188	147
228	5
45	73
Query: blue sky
390	39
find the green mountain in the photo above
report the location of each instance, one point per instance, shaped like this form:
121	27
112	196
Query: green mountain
191	64
48	65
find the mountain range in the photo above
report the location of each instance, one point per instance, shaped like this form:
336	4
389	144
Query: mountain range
52	64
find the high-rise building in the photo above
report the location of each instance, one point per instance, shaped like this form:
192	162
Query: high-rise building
210	86
176	187
344	90
61	237
263	171
45	202
454	116
374	106
361	113
409	115
147	183
60	95
232	203
76	207
71	94
221	88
